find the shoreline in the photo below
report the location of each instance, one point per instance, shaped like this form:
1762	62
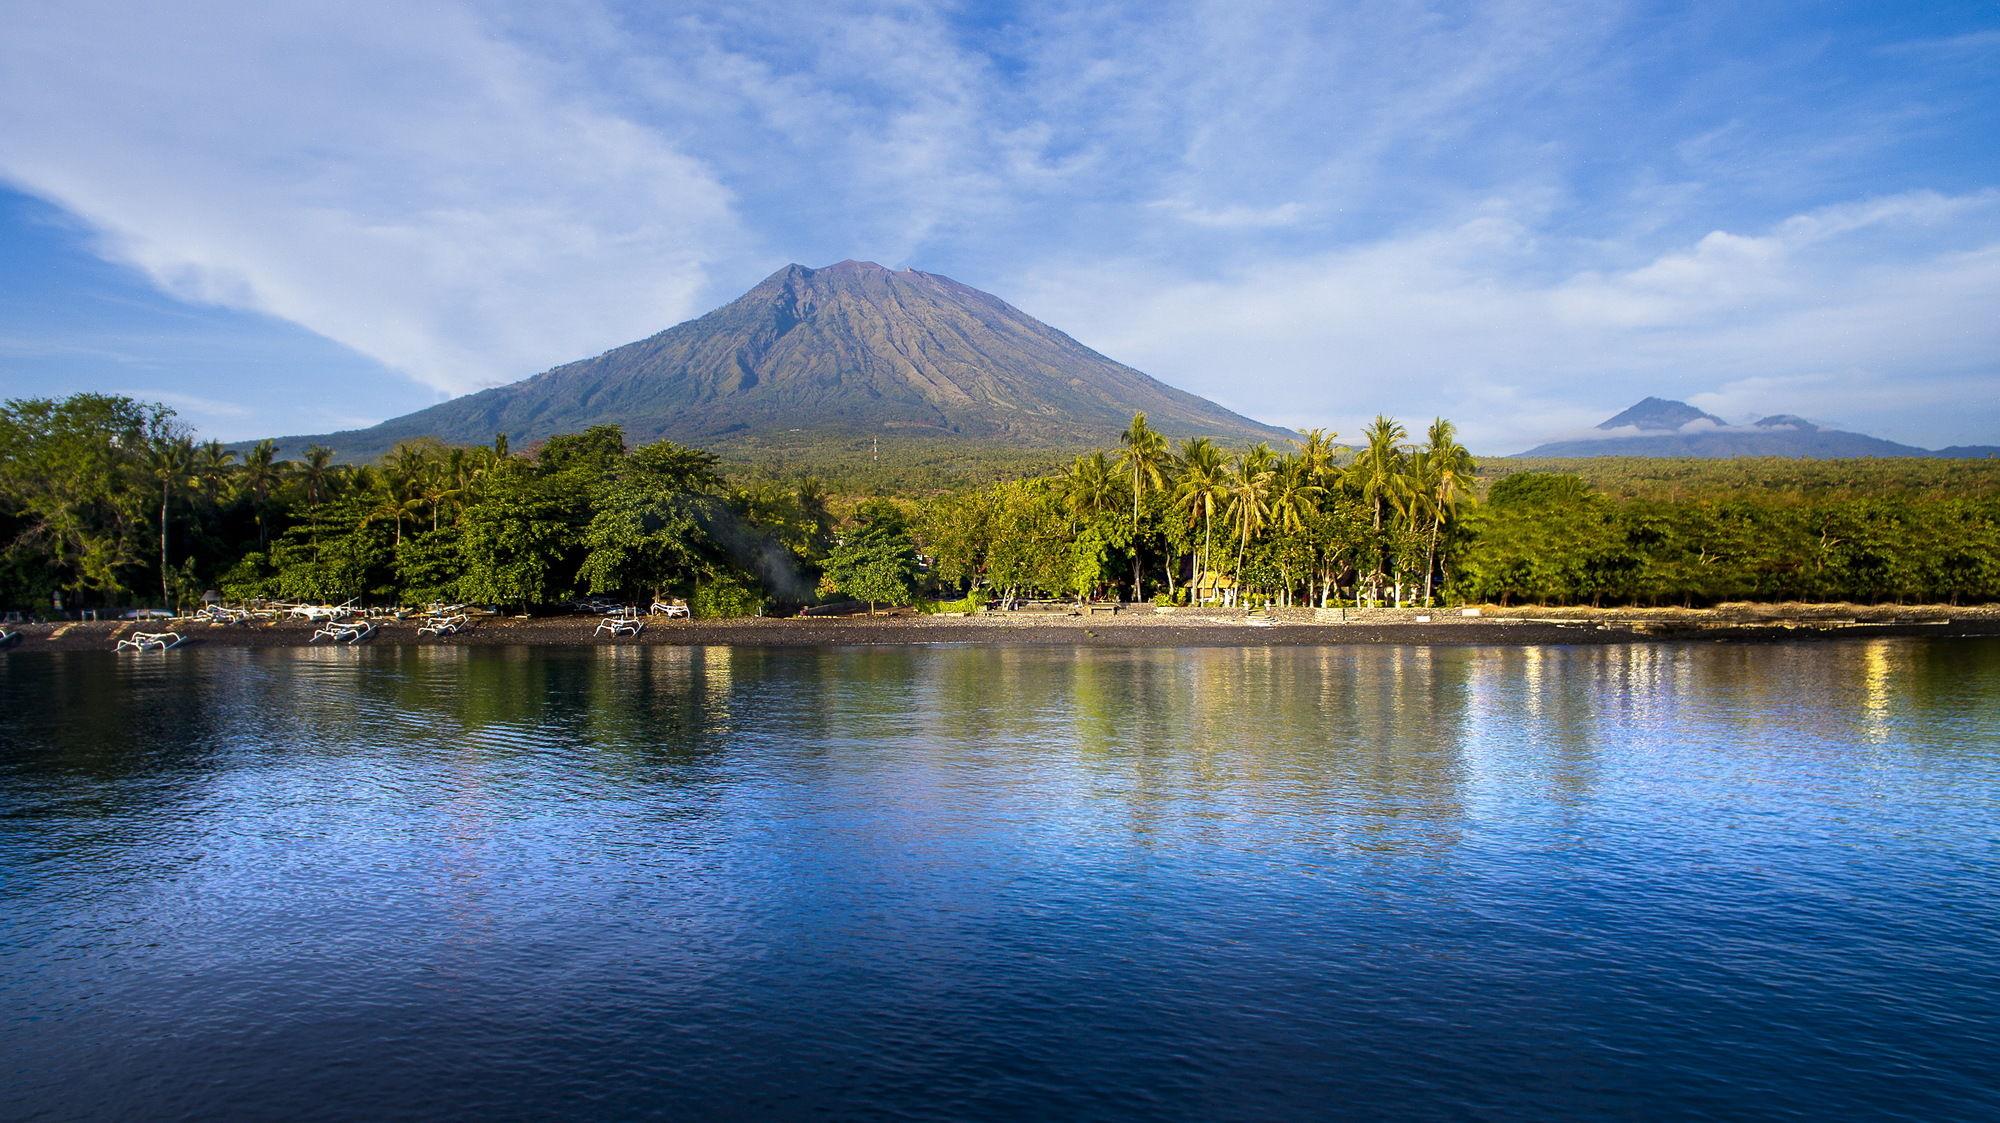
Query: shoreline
1512	627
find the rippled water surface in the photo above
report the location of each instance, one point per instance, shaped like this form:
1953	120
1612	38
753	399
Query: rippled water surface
1649	881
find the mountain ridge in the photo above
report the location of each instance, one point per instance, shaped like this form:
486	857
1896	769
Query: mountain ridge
851	350
1699	434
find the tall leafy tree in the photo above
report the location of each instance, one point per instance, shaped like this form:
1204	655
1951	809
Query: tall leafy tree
876	561
653	529
74	490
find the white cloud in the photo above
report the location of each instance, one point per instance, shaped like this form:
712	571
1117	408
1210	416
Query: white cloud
394	177
191	404
1824	313
1232	217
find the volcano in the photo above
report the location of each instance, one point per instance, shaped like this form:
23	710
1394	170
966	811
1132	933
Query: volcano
852	350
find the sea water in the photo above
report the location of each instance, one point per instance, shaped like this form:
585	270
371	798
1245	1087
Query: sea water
1651	881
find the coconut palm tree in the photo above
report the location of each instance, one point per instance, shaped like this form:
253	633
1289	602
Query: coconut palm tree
1379	469
1248	483
261	473
1293	496
1319	456
403	484
1146	460
211	467
1201	489
1090	487
318	469
1446	479
170	461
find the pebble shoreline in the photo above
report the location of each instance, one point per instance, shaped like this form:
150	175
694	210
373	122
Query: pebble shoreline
1138	629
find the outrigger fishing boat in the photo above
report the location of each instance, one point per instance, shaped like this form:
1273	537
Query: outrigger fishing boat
318	612
149	641
627	623
345	631
441	625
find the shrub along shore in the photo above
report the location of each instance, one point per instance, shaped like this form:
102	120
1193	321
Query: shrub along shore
106	503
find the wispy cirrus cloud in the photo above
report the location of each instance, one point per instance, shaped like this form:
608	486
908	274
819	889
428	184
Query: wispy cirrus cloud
401	180
1521	212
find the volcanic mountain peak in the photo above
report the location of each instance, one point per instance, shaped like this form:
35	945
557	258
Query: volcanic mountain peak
1668	429
847	350
1658	415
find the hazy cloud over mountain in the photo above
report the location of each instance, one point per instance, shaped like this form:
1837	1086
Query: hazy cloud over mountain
1524	215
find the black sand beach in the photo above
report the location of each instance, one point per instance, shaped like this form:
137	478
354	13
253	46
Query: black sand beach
1140	628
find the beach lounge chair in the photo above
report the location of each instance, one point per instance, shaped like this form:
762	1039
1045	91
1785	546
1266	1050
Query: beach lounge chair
149	641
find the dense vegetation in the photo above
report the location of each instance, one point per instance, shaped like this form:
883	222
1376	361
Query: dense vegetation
105	501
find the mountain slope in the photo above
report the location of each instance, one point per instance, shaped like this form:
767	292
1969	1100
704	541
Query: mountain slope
1699	434
849	350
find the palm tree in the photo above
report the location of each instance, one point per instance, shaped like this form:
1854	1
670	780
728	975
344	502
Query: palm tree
1203	487
1090	487
1146	458
261	473
170	460
1294	497
1248	483
1446	479
319	460
1380	470
1319	456
211	467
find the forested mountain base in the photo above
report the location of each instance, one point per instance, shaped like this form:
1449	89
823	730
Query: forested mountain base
105	502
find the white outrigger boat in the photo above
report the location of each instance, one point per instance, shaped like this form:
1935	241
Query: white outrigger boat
345	632
319	612
626	624
669	609
149	641
442	625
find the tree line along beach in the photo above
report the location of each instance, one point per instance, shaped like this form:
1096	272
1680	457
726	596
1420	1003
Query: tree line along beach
109	504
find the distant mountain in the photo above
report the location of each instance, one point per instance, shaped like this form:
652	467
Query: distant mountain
852	350
1670	428
1658	414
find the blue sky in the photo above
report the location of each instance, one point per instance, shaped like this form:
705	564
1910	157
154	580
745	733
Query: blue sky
1525	216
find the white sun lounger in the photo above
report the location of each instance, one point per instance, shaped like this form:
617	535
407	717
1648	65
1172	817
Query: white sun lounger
149	641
